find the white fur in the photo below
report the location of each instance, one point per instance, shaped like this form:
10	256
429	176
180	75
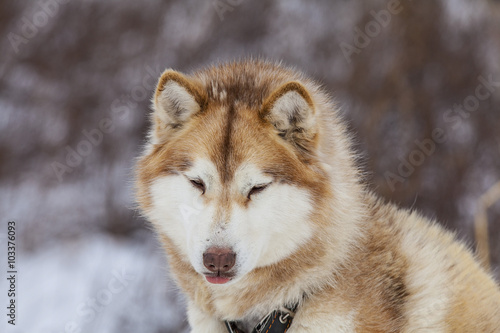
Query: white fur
179	210
273	225
218	92
332	322
266	231
202	323
427	280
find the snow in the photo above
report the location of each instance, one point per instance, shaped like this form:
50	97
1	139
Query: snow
96	284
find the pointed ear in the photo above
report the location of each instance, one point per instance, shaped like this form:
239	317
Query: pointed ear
291	111
177	99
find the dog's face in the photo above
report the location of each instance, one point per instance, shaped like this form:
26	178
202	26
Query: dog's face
231	184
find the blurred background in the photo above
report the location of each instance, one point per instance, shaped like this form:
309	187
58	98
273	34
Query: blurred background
417	81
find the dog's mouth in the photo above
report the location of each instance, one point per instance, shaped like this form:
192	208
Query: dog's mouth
218	278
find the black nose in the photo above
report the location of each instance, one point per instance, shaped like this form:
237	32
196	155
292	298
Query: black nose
219	260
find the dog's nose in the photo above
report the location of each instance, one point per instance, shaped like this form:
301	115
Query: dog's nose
219	259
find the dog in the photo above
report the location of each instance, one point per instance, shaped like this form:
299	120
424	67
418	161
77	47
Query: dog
251	183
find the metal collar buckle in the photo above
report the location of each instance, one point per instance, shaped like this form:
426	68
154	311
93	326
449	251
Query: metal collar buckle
263	323
284	315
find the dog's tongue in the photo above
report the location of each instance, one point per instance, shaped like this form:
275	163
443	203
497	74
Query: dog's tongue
217	279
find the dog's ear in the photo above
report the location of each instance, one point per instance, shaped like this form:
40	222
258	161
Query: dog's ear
290	109
177	99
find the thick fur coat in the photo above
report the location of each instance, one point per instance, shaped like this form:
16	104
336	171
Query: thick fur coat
252	158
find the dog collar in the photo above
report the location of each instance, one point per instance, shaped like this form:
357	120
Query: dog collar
277	321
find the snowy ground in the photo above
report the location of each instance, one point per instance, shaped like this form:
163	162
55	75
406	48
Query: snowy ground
95	284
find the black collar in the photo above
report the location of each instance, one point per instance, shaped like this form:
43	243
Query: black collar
278	321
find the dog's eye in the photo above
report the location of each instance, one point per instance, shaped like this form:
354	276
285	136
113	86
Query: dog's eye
257	189
198	183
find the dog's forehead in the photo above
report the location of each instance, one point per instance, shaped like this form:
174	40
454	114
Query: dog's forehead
230	134
234	141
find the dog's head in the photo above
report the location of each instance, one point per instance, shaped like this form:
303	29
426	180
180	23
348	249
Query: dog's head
232	174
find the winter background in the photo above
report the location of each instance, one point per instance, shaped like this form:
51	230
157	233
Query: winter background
75	82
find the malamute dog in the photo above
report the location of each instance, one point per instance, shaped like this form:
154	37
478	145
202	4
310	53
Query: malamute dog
250	181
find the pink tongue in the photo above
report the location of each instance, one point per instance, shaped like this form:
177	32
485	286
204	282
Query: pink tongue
217	279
